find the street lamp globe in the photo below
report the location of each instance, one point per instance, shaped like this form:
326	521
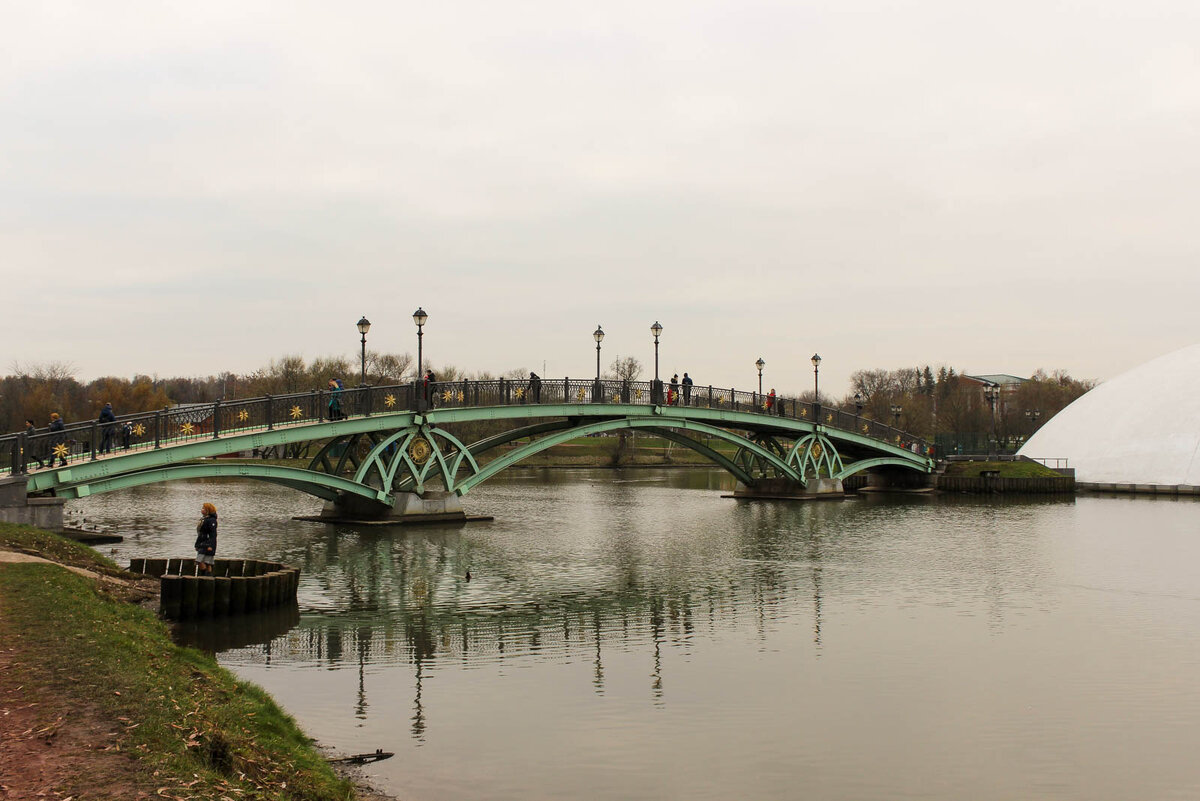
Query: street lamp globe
656	329
598	334
419	317
816	360
364	325
760	364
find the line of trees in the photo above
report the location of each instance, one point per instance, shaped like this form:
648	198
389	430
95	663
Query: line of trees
942	404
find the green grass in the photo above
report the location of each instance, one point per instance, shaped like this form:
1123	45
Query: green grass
192	726
53	547
1007	469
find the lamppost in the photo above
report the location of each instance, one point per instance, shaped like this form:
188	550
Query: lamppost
419	317
896	410
816	363
858	404
1032	415
656	387
364	325
760	364
597	335
992	392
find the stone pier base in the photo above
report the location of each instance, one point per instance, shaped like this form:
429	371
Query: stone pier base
17	507
410	508
785	489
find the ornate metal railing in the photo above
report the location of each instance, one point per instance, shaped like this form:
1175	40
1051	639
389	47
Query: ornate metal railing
92	439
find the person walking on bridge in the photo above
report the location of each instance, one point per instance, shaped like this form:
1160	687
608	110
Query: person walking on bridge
33	452
687	390
335	400
58	439
206	540
108	423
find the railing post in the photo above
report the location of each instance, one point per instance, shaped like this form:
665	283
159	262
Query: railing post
217	420
366	401
710	396
18	454
315	399
95	433
157	430
270	414
466	389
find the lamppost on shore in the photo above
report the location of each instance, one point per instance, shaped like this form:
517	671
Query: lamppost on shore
760	364
597	335
419	317
858	404
364	325
816	363
896	411
656	387
1032	415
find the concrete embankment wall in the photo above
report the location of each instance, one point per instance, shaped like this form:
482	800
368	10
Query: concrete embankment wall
236	586
984	484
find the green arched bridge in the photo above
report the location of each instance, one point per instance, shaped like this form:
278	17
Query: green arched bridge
380	442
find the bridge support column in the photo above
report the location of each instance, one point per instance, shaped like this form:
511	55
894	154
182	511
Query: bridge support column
786	489
432	507
17	507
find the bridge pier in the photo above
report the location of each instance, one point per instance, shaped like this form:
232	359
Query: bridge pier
410	508
786	489
17	507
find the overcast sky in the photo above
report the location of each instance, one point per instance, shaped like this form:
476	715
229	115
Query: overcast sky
192	187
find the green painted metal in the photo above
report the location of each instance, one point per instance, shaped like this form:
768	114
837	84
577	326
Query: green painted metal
699	447
813	453
323	485
450	456
509	459
867	464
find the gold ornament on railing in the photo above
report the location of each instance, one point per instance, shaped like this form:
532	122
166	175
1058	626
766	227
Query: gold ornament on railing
804	412
829	417
389	401
243	415
139	429
296	413
866	428
447	395
581	394
720	399
638	395
616	398
61	451
186	428
520	393
461	396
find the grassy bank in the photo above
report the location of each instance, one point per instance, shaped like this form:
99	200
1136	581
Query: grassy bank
1006	469
90	674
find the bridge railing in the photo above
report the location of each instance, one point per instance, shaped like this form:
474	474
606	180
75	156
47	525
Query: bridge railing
192	422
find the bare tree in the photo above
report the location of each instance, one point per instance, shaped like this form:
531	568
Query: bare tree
624	368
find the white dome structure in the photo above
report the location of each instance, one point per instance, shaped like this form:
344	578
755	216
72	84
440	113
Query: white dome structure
1141	428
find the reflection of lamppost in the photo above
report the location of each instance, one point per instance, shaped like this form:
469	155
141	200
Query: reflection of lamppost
364	325
760	364
896	410
1032	415
419	317
656	387
816	363
858	404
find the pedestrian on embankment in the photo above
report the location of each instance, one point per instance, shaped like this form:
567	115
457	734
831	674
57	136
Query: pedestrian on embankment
206	540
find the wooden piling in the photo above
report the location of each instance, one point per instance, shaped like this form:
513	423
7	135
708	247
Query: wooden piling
156	567
235	567
204	595
170	595
254	594
172	567
221	592
187	567
137	565
188	598
237	594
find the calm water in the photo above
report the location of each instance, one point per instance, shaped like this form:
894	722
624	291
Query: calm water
629	635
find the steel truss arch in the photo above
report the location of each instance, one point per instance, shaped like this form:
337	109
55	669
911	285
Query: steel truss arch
878	461
815	452
418	453
322	485
613	424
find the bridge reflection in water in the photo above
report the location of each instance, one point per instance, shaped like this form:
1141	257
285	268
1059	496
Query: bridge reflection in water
388	599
